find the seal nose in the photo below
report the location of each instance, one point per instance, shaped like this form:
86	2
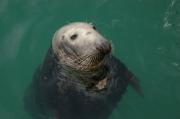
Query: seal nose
104	47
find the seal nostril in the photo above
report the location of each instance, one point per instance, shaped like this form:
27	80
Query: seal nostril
108	48
99	49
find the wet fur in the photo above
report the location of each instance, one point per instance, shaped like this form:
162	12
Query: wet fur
60	96
79	79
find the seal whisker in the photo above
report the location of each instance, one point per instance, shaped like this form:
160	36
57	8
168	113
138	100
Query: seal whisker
85	58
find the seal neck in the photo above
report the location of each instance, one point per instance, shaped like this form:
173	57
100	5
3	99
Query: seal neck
88	78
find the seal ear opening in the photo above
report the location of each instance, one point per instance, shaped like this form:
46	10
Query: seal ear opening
94	27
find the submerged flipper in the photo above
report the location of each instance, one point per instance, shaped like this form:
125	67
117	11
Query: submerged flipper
123	72
132	80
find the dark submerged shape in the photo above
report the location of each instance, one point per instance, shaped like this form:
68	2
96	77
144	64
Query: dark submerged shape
62	92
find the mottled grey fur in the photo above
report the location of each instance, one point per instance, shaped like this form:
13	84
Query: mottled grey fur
61	92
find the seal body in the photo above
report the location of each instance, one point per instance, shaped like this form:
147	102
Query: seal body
78	88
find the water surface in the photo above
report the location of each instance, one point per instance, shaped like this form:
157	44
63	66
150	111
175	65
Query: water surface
145	36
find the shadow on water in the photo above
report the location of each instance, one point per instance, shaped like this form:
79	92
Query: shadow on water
145	35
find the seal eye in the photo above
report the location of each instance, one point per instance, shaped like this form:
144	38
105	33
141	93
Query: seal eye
74	36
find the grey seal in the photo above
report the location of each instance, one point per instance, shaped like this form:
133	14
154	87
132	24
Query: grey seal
80	78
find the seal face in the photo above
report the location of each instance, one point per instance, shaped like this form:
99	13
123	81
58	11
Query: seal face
79	78
80	46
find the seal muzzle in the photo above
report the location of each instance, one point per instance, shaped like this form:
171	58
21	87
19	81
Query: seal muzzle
104	47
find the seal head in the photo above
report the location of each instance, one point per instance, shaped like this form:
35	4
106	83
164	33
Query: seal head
80	46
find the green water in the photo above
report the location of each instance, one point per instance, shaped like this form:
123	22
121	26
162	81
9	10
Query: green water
145	35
